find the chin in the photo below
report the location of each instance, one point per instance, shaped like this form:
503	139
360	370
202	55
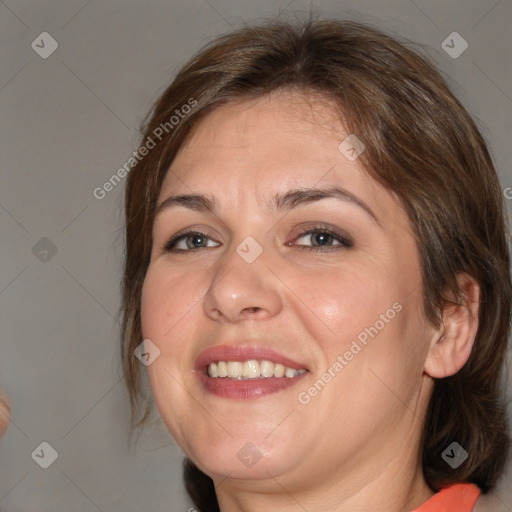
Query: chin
229	465
243	459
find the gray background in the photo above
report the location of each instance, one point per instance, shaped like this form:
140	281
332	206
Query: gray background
68	123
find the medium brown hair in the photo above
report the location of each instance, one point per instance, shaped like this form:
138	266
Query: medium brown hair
422	145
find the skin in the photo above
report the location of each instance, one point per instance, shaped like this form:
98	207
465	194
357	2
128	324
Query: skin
355	446
5	413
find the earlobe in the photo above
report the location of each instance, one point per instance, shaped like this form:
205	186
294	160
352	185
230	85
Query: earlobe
452	343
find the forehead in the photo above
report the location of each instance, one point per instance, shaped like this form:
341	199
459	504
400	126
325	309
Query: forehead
243	123
288	134
262	147
285	116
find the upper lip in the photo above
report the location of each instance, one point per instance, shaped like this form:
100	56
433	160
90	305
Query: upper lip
244	353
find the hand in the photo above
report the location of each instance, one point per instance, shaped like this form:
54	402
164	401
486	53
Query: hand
5	412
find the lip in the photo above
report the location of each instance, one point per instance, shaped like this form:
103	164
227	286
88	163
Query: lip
244	353
248	388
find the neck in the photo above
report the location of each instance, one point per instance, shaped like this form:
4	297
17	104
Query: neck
381	494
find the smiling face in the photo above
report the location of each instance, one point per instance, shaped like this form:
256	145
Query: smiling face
328	282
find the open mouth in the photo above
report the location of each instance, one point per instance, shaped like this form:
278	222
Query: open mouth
246	371
251	369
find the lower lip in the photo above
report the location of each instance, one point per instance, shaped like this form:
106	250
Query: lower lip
249	388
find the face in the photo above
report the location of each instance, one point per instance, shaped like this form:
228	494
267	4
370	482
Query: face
273	244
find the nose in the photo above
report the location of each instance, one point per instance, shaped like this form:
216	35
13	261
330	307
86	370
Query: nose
241	291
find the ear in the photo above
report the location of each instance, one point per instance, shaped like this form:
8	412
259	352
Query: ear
452	343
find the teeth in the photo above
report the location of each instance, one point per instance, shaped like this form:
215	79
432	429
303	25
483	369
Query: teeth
290	372
222	368
213	370
278	370
251	369
267	369
235	369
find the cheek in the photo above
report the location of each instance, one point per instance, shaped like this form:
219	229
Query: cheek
170	304
369	315
168	308
338	305
168	299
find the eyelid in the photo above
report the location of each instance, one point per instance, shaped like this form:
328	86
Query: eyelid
344	240
177	237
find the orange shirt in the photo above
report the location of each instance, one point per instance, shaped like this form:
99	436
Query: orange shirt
457	498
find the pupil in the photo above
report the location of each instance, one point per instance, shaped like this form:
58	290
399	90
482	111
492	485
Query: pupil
197	240
322	238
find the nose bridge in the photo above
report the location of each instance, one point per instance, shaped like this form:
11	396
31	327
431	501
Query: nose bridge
242	285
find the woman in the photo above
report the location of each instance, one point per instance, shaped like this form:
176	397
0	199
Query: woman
317	263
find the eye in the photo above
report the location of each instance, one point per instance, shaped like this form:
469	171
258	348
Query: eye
321	239
189	241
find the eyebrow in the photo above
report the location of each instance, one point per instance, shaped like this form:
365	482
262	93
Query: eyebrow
281	202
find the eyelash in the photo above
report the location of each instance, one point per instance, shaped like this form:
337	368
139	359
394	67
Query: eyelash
344	241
